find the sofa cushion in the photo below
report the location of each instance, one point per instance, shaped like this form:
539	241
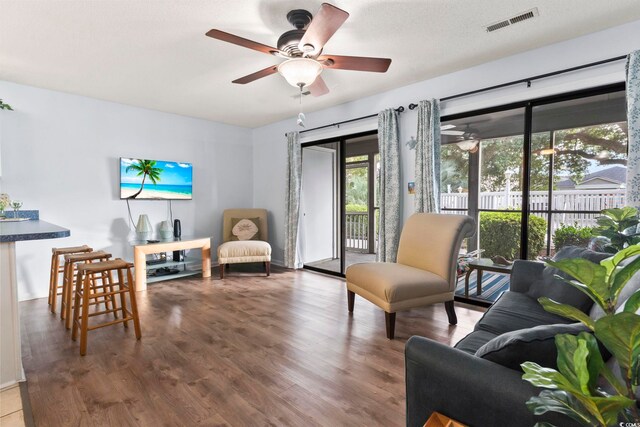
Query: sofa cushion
514	311
535	344
244	251
472	342
551	287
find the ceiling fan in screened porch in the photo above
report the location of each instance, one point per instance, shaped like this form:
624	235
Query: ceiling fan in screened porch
302	50
466	140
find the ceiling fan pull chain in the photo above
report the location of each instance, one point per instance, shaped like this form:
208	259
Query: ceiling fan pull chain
301	117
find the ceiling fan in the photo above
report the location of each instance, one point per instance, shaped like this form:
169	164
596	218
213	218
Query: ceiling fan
467	140
302	49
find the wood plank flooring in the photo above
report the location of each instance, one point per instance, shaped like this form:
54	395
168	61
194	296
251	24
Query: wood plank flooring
246	350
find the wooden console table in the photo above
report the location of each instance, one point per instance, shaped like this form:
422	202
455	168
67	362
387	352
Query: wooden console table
142	249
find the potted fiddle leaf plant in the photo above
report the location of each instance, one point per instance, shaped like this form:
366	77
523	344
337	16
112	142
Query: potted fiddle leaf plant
578	388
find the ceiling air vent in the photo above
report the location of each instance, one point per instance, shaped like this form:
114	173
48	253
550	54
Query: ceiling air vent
513	20
497	25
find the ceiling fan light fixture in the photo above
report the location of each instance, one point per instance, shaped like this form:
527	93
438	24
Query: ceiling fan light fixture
467	144
300	71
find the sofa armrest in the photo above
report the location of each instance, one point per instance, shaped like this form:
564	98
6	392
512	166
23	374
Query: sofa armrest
471	390
524	274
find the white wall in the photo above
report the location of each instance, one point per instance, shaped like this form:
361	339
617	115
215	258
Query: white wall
270	148
60	154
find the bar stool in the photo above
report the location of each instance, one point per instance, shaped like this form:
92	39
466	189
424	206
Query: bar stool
82	295
56	269
71	262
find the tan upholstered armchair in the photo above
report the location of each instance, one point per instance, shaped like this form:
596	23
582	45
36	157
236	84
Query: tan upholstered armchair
425	271
244	233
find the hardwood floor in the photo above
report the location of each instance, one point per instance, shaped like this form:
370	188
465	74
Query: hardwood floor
246	350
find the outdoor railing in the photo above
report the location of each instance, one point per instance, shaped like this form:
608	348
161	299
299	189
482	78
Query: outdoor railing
357	231
564	200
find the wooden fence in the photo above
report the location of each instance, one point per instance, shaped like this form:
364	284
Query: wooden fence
564	200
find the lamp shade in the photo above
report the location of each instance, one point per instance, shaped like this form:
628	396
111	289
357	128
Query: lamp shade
143	228
300	71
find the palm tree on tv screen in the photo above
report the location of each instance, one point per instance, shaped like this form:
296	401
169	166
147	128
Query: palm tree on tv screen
145	168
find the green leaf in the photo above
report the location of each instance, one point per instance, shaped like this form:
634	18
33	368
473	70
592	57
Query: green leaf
622	276
605	221
543	377
613	380
619	214
566	311
611	406
611	263
581	269
633	303
579	360
620	333
561	402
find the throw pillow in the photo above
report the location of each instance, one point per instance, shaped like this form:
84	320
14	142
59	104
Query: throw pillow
551	287
245	229
535	344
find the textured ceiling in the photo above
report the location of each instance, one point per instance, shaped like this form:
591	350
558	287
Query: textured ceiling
154	54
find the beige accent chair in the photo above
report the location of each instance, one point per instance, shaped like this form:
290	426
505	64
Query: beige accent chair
425	271
243	251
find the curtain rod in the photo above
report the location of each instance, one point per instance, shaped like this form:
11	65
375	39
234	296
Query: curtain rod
528	80
400	109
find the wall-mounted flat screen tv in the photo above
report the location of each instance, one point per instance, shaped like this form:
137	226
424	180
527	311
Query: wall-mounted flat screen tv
143	179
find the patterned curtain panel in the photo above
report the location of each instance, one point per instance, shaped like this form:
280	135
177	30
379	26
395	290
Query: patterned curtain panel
427	172
633	120
292	209
389	200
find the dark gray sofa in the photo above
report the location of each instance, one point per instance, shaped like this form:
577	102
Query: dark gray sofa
478	382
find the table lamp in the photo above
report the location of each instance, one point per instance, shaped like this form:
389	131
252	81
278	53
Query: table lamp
143	228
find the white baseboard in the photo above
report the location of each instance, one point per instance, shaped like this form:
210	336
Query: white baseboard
28	297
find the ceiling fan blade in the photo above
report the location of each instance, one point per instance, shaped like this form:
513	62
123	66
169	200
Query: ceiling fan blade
240	41
452	132
356	63
257	75
324	25
318	87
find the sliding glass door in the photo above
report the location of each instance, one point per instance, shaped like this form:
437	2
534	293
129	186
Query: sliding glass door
338	202
535	175
482	176
578	167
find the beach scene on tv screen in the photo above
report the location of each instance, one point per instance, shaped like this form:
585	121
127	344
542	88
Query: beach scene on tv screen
155	179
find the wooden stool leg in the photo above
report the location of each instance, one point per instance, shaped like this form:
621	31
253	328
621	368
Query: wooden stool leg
85	314
221	267
51	274
123	298
76	306
53	285
134	305
67	290
106	280
69	294
267	266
